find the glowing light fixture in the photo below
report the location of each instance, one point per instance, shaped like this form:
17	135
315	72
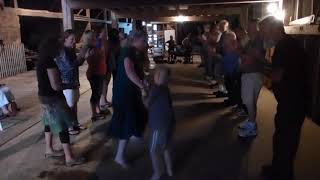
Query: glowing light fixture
280	15
155	27
143	23
272	8
275	10
149	25
181	18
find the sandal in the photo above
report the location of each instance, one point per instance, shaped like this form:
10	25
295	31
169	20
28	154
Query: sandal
75	162
73	132
97	117
81	127
107	105
54	154
104	113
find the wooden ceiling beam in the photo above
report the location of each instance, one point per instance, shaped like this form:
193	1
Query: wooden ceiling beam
190	12
93	4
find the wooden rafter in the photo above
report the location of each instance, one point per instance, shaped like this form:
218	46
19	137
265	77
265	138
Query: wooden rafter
55	15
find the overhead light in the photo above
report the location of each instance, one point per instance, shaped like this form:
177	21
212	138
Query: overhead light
149	25
180	18
143	23
155	27
280	15
272	8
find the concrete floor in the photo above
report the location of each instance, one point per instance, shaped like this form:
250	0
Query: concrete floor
205	144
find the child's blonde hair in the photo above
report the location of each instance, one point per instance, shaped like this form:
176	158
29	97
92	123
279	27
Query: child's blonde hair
164	74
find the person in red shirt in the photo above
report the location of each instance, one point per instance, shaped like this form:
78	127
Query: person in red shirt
97	68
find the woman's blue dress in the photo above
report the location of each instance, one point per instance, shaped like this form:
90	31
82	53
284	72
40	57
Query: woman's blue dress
129	116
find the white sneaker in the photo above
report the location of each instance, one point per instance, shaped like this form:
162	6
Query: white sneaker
249	131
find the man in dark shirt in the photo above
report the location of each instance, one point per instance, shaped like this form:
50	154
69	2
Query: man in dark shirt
171	46
289	77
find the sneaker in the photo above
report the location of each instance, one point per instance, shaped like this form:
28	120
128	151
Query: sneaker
247	124
250	131
220	94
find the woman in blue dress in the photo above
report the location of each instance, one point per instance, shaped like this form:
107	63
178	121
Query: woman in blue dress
130	116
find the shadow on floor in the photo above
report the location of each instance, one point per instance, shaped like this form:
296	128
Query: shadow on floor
194	111
191	96
26	143
218	155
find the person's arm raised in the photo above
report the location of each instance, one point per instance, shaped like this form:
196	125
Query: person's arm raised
132	75
54	79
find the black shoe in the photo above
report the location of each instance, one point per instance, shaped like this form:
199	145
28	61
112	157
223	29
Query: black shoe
220	94
270	173
228	103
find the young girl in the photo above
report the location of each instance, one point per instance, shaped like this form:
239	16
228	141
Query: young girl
161	121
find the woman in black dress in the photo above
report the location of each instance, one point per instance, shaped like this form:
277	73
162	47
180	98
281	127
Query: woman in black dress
129	117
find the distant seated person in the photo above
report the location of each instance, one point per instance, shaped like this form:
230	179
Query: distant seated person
171	46
7	101
186	43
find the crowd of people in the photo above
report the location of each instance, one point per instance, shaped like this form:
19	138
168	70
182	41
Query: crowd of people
235	60
134	100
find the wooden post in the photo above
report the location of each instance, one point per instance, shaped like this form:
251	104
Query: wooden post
15	3
134	25
68	18
114	20
105	17
89	22
244	17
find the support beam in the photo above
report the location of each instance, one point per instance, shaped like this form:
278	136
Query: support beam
88	15
54	15
105	17
114	20
188	19
68	17
15	4
244	17
134	25
93	4
149	14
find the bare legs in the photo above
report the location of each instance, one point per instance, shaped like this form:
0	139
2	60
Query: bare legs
48	139
120	159
103	99
11	109
168	162
66	148
156	163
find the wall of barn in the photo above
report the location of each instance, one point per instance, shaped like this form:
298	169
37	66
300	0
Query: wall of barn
9	26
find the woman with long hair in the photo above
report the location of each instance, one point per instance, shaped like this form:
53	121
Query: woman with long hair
56	115
68	63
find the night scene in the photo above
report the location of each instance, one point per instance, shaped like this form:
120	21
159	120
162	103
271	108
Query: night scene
159	89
